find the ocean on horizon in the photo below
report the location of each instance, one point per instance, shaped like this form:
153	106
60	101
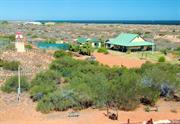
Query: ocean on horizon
144	22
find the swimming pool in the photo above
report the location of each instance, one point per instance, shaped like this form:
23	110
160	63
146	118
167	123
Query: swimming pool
43	45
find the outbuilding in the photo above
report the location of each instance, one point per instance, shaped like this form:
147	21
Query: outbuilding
93	41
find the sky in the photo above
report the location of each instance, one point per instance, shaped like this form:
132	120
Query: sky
89	9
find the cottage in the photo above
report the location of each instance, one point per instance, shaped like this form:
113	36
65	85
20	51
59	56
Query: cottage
126	41
93	41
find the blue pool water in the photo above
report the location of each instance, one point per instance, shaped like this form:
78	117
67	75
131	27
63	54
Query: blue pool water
42	45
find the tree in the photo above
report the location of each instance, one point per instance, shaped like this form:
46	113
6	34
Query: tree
86	49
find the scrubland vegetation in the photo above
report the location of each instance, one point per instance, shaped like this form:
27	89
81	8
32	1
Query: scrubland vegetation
9	65
85	49
77	84
103	50
12	85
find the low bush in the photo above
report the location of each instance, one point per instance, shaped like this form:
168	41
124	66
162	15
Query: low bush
85	49
29	47
149	96
130	98
103	50
11	85
156	85
178	48
13	65
162	59
61	53
51	41
58	101
10	47
147	109
43	84
74	48
34	36
1	63
164	51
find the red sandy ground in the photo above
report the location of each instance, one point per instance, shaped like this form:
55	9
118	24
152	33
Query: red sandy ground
24	113
116	60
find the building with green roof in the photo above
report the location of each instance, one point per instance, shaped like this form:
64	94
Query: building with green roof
126	41
93	41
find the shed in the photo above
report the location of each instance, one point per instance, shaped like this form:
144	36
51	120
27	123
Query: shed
94	41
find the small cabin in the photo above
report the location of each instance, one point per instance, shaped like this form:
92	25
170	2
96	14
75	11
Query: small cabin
93	41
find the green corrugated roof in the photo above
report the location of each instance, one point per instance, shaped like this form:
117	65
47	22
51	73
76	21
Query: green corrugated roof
95	40
125	39
82	40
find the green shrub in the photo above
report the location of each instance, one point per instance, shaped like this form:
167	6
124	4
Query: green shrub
45	106
86	49
43	84
61	53
11	85
162	59
1	63
148	35
115	87
9	37
147	109
103	50
155	85
51	41
58	101
178	48
74	48
164	51
10	47
38	91
149	96
123	85
34	36
28	47
13	65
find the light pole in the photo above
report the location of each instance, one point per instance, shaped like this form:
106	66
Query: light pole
19	83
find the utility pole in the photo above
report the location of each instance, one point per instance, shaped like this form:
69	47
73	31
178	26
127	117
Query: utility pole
19	83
